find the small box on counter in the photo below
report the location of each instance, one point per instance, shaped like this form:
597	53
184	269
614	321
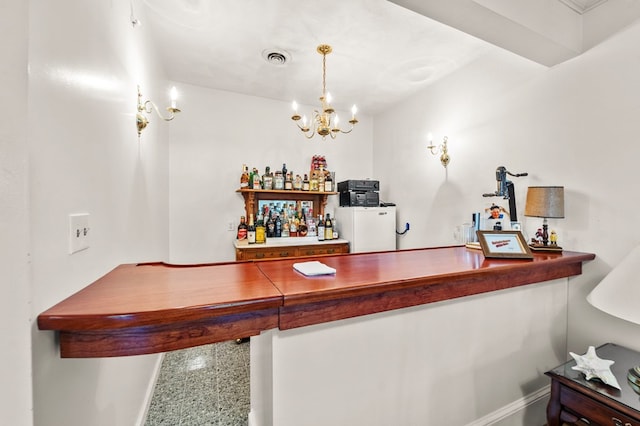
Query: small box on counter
359	185
359	199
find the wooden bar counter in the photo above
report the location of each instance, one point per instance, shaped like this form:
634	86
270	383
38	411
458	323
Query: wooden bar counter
149	308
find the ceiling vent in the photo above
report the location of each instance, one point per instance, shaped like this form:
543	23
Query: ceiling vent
276	57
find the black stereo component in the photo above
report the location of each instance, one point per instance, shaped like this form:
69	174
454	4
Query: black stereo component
359	185
359	199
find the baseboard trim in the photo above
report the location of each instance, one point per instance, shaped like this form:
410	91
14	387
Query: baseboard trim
251	420
142	416
512	408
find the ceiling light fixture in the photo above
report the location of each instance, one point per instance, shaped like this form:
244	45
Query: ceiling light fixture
147	106
324	122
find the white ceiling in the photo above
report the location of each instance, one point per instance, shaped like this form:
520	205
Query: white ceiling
382	51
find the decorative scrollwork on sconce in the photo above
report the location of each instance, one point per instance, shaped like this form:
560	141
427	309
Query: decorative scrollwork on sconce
441	149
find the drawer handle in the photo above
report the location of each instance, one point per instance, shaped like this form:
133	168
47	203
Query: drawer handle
284	253
311	252
259	255
331	250
616	422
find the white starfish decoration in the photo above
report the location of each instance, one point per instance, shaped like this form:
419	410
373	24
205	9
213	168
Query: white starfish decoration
594	367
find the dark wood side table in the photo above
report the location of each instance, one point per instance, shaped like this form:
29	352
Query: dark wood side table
575	399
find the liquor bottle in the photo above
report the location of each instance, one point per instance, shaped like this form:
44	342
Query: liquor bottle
244	177
288	182
285	225
328	183
278	233
242	229
293	227
267	178
257	184
303	229
320	229
313	182
261	232
271	227
284	169
305	183
321	179
328	228
311	226
297	183
278	181
251	230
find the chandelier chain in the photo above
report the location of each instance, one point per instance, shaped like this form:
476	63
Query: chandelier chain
324	76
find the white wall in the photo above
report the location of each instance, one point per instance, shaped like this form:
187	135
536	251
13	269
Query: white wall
15	365
402	367
85	60
573	125
215	135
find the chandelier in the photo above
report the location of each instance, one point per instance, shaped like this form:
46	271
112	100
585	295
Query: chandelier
324	121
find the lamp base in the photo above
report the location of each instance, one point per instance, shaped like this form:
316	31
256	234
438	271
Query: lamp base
633	377
542	247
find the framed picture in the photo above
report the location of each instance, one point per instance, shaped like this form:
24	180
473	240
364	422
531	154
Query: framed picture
504	244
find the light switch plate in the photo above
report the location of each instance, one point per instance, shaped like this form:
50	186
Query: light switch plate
79	232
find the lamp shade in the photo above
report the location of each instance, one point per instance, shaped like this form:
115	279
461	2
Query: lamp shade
545	201
619	292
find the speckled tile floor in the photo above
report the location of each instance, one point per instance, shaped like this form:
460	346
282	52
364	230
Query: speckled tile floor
206	385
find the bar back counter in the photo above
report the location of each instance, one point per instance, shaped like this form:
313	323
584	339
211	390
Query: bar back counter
410	337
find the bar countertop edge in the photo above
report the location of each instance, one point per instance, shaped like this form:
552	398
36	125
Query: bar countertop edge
141	308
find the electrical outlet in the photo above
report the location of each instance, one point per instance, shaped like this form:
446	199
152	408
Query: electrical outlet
231	226
78	232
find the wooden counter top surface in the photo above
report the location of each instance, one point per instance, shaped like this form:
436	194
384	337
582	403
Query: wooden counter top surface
148	308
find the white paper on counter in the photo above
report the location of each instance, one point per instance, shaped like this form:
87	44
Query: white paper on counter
313	268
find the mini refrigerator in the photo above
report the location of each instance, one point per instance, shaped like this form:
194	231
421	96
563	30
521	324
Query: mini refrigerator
367	228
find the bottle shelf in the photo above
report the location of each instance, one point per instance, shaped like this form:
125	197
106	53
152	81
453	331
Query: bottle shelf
253	196
284	191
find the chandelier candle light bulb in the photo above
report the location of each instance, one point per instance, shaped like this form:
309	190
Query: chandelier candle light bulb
295	115
174	97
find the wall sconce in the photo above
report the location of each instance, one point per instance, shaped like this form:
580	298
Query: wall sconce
440	149
147	106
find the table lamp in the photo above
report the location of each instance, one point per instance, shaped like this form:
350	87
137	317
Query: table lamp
545	202
618	294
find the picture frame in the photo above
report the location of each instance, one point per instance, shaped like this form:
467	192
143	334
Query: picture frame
504	244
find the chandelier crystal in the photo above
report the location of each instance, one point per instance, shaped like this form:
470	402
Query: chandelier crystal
324	121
